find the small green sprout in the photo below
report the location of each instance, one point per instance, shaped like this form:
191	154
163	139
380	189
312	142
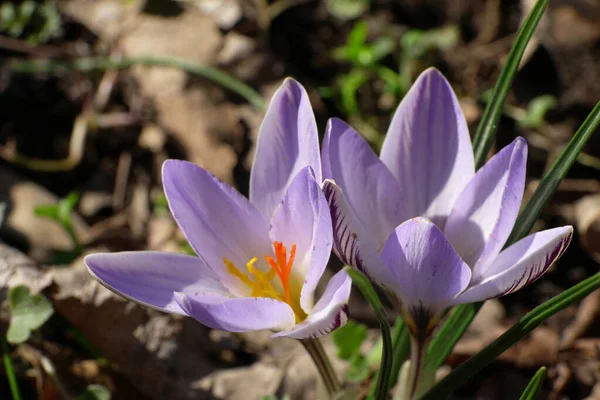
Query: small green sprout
61	213
28	312
95	392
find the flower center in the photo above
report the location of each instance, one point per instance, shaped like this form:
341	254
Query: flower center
277	283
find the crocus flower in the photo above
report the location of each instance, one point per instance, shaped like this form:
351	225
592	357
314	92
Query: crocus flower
259	261
420	221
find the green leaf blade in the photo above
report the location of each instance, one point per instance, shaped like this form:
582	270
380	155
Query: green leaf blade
528	323
493	111
554	176
369	293
534	386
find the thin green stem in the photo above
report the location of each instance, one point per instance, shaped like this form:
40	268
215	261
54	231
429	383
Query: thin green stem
484	136
10	371
319	357
528	323
418	349
401	347
366	288
89	64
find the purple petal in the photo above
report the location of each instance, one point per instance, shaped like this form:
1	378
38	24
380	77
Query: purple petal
242	314
485	212
428	148
428	272
367	183
351	243
287	142
519	265
330	312
218	222
303	219
151	278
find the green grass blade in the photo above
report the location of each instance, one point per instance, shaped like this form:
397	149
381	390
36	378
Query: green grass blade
554	176
445	339
534	386
493	111
366	288
529	322
89	64
10	371
401	346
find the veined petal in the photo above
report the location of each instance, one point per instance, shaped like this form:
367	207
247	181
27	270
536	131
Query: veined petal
218	221
519	265
330	312
487	209
303	219
428	273
287	142
243	314
351	243
428	148
151	278
367	183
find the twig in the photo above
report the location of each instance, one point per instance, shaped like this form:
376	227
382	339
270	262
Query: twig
123	168
90	64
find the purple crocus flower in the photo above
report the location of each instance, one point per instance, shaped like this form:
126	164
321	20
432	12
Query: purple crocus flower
420	221
259	261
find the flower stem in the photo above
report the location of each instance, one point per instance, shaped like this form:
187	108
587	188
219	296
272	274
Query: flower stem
414	385
319	357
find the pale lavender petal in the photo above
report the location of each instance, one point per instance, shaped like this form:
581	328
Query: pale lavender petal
519	265
303	219
428	272
287	142
218	222
241	314
151	278
369	187
330	312
351	243
487	209
428	148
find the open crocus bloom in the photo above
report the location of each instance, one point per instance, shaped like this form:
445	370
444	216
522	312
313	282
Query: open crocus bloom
259	261
420	221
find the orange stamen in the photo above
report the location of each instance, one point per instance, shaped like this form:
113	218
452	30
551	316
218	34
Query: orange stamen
283	267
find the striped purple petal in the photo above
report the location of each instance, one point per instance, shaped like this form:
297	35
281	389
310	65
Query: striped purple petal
519	265
351	243
487	209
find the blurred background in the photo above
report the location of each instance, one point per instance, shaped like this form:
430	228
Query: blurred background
96	94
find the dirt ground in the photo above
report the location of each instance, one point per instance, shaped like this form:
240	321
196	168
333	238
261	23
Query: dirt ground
104	133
